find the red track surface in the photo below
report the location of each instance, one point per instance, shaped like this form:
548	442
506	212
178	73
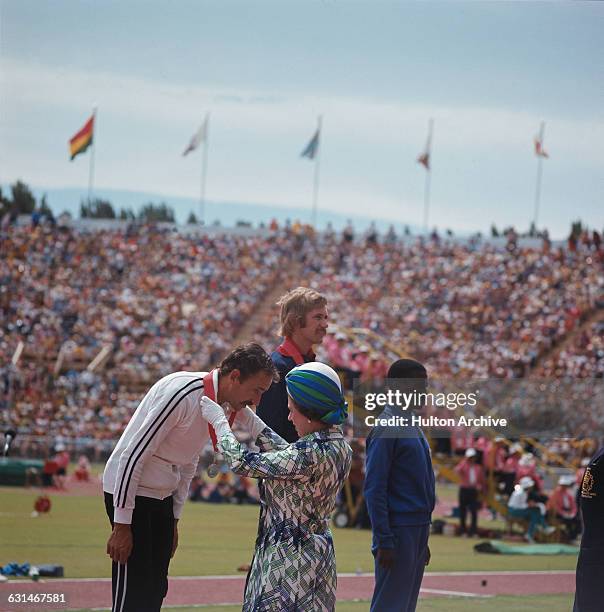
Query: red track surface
93	593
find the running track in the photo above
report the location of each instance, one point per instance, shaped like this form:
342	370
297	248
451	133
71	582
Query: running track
96	593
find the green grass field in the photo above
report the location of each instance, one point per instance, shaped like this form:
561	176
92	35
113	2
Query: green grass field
214	539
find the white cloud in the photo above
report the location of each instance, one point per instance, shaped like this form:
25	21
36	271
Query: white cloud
368	149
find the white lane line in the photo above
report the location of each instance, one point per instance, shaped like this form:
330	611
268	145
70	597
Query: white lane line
346	575
455	593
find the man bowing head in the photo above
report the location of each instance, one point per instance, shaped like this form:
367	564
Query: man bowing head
147	476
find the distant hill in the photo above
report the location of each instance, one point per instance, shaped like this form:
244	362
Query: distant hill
228	213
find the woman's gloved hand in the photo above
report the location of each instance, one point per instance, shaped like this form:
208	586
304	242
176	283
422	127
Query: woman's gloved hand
248	419
213	413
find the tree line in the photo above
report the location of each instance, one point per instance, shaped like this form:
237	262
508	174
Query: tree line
21	201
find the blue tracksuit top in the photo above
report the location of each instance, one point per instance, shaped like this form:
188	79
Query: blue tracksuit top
399	480
272	408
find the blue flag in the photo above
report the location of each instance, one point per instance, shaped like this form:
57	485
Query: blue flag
312	147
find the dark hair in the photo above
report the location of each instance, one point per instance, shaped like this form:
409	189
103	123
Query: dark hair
407	375
407	368
249	359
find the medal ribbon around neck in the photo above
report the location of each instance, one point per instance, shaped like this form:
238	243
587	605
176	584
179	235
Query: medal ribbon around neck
210	389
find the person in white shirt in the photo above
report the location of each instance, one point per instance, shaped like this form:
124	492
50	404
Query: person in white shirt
523	504
147	476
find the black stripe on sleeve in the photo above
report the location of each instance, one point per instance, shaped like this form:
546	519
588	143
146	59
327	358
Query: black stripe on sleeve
165	411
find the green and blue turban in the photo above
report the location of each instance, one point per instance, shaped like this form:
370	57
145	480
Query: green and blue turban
317	388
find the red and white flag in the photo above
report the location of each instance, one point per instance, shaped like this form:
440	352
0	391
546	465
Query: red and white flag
539	150
424	158
197	138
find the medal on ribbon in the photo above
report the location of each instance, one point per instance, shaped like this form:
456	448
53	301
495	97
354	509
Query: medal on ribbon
210	388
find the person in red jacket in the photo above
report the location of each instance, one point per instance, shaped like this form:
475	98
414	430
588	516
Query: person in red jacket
527	467
471	485
563	505
510	468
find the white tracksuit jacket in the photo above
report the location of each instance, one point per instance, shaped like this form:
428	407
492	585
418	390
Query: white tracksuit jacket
158	452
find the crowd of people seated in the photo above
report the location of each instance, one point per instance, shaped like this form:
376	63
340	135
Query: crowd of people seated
162	300
582	358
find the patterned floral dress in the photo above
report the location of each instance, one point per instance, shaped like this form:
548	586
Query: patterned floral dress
294	565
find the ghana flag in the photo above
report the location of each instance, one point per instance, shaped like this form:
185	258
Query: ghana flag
83	139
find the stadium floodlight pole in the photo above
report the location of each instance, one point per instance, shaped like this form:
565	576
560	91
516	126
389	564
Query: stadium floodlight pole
316	182
91	172
204	169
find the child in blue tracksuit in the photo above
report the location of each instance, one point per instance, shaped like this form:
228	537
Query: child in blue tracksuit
400	495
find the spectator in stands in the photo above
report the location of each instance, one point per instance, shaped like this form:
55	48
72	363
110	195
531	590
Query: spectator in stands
563	506
471	486
521	505
468	308
49	471
340	354
61	459
82	472
510	468
462	439
494	460
528	467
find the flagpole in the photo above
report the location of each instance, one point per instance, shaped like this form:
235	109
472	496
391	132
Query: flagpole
204	169
316	182
427	199
428	176
538	190
91	170
539	175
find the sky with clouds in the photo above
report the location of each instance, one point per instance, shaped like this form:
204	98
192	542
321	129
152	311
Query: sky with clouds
487	72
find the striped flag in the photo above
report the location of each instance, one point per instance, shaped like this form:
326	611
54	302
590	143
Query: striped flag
424	158
197	138
83	139
313	146
539	150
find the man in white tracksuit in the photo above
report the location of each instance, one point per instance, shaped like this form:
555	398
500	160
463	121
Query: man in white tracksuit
147	477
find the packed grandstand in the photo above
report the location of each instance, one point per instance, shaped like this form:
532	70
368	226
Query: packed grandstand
147	300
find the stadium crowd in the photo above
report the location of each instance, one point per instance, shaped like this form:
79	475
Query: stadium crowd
162	301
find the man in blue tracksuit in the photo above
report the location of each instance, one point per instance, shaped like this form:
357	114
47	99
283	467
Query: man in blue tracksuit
400	495
303	318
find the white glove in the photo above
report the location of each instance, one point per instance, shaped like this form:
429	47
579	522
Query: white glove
248	419
213	413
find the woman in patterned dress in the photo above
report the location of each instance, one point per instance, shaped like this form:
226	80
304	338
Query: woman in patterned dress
294	567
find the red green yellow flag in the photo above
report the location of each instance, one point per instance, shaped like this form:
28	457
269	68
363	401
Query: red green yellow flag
83	139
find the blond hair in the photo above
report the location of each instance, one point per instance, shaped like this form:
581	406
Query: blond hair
295	305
